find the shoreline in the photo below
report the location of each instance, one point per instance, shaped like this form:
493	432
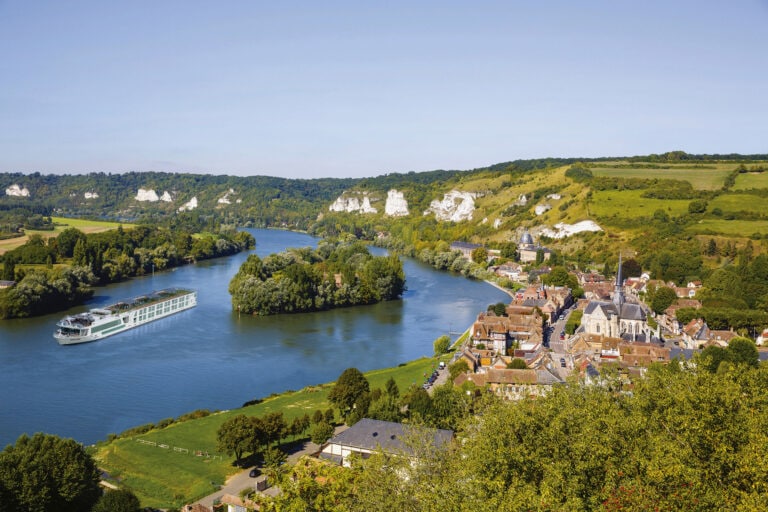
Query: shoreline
501	288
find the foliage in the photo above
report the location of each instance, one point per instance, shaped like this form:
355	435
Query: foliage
334	275
236	436
663	297
121	500
47	473
350	388
457	368
321	432
574	321
442	344
44	290
517	364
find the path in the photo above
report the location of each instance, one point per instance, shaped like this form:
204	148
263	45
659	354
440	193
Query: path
241	480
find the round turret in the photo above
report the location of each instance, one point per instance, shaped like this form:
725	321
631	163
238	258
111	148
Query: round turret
526	239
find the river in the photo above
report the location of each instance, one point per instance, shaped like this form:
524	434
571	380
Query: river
210	357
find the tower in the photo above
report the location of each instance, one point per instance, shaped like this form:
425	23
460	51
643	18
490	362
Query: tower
618	290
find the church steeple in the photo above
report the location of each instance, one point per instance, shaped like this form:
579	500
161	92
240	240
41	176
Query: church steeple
618	291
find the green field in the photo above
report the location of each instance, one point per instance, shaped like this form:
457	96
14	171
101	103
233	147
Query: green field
751	180
61	223
163	477
744	228
737	203
709	177
629	204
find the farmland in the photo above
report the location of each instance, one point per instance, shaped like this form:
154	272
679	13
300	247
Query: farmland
61	223
751	180
737	228
704	177
734	203
630	204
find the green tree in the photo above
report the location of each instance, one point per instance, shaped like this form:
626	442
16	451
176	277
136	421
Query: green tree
499	309
274	426
349	387
662	299
9	268
321	432
743	351
391	388
235	436
517	364
121	500
46	473
457	368
442	345
697	206
480	255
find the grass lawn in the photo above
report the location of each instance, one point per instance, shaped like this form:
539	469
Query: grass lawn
61	223
737	203
743	228
751	180
163	477
630	204
706	178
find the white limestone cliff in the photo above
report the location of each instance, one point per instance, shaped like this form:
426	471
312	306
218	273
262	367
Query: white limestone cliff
352	203
542	208
225	198
562	230
15	190
145	194
396	205
91	195
189	205
166	197
455	207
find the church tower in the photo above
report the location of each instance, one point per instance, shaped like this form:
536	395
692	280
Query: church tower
618	291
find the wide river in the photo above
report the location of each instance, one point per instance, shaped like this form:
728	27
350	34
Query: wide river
210	357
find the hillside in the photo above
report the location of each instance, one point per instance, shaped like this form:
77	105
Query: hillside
702	196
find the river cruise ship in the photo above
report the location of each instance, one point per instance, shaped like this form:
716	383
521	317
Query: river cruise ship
101	322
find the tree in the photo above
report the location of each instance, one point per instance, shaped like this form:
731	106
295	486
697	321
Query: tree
697	206
457	368
662	299
349	387
517	364
321	432
47	473
9	268
480	255
391	388
499	309
235	436
299	425
317	417
121	500
442	345
743	351
631	268
274	426
419	403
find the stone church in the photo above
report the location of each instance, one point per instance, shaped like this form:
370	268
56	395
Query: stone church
616	318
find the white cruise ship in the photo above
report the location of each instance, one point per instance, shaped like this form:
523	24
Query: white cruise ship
101	322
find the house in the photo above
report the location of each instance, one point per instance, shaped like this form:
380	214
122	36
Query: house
695	333
669	318
512	384
589	277
643	354
521	324
685	292
510	270
464	248
238	504
368	436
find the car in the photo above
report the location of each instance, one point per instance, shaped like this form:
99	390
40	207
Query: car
253	473
562	362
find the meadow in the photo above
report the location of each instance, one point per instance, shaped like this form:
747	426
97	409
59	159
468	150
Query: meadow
61	223
157	468
630	204
751	180
737	203
706	177
738	228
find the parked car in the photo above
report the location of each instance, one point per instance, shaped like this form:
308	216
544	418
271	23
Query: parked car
253	473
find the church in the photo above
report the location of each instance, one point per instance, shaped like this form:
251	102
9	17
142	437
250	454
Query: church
616	318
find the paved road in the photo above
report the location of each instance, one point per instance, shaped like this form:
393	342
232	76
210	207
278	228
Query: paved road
241	480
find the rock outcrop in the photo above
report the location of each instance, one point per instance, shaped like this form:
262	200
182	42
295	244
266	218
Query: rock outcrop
145	194
562	230
91	195
542	208
352	203
225	198
455	207
15	190
189	205
396	205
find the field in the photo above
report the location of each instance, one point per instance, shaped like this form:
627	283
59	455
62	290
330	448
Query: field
737	203
629	204
742	228
61	223
165	476
750	180
707	177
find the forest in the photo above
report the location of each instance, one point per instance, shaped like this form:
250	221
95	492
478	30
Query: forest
44	285
336	274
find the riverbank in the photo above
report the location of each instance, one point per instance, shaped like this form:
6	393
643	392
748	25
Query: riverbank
495	285
179	463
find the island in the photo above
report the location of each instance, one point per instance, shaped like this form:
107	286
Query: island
336	274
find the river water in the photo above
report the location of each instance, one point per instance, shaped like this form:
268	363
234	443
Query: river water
210	357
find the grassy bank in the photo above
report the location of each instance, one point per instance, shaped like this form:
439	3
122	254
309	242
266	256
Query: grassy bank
61	223
178	464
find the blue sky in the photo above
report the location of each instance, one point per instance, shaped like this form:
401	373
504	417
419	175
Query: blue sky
351	89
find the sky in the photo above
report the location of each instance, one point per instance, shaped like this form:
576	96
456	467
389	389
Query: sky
361	88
